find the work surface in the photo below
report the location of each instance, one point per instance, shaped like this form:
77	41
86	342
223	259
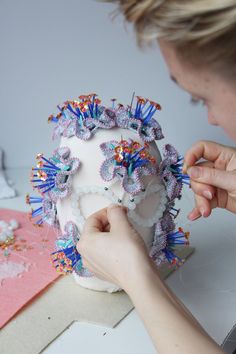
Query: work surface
206	284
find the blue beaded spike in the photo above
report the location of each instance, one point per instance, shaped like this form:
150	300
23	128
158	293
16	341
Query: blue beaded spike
36	213
176	169
174	239
174	212
88	106
46	172
145	110
132	155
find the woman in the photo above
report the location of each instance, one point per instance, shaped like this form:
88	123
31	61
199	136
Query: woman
198	42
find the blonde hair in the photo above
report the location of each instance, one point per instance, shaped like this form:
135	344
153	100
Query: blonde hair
204	31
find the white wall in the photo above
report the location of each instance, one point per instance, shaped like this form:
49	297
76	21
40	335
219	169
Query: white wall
52	50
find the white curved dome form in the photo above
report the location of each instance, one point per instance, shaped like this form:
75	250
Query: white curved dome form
91	193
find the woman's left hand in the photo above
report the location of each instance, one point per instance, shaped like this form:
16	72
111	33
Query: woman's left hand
111	248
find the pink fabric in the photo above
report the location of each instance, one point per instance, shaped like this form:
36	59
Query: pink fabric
27	270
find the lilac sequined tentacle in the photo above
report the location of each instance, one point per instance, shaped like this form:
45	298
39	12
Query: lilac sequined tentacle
44	210
53	176
82	118
171	172
166	240
140	119
129	162
66	258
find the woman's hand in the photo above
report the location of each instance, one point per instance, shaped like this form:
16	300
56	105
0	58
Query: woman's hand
111	248
213	180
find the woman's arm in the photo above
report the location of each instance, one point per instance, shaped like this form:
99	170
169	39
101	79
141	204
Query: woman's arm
112	249
171	326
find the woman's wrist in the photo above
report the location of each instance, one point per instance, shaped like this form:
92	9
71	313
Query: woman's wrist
140	274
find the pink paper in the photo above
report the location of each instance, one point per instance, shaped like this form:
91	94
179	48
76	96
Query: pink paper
27	270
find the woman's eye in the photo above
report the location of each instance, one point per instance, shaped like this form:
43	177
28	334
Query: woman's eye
196	100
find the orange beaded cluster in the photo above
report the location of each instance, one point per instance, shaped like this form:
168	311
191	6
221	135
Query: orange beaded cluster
64	264
85	103
132	153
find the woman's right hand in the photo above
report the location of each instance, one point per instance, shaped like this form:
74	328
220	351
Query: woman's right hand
212	180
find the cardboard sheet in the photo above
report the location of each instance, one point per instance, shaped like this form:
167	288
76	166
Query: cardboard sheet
62	303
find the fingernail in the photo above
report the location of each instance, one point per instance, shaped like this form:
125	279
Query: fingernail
194	172
207	194
202	211
191	217
185	167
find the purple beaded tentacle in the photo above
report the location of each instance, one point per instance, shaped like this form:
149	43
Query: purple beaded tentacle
109	147
128	161
44	211
140	119
66	258
82	118
53	179
63	180
165	241
53	176
166	238
107	170
171	172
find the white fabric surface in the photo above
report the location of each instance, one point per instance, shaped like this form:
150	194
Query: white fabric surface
5	190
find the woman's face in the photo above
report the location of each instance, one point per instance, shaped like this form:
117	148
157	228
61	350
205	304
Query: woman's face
217	94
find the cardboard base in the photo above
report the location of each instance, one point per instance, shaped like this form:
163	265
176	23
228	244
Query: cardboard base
64	302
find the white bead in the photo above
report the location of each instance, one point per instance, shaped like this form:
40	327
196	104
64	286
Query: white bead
14	224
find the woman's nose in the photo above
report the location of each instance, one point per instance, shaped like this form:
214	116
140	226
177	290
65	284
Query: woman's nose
211	119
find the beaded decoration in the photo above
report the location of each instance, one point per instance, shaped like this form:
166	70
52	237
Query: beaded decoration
45	213
171	172
67	259
54	175
140	119
83	117
128	161
53	179
165	241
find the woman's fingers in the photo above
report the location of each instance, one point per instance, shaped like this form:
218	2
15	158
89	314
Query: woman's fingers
208	150
117	217
203	208
211	176
203	190
194	214
96	222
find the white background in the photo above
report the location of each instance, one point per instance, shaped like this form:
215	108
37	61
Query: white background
52	50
